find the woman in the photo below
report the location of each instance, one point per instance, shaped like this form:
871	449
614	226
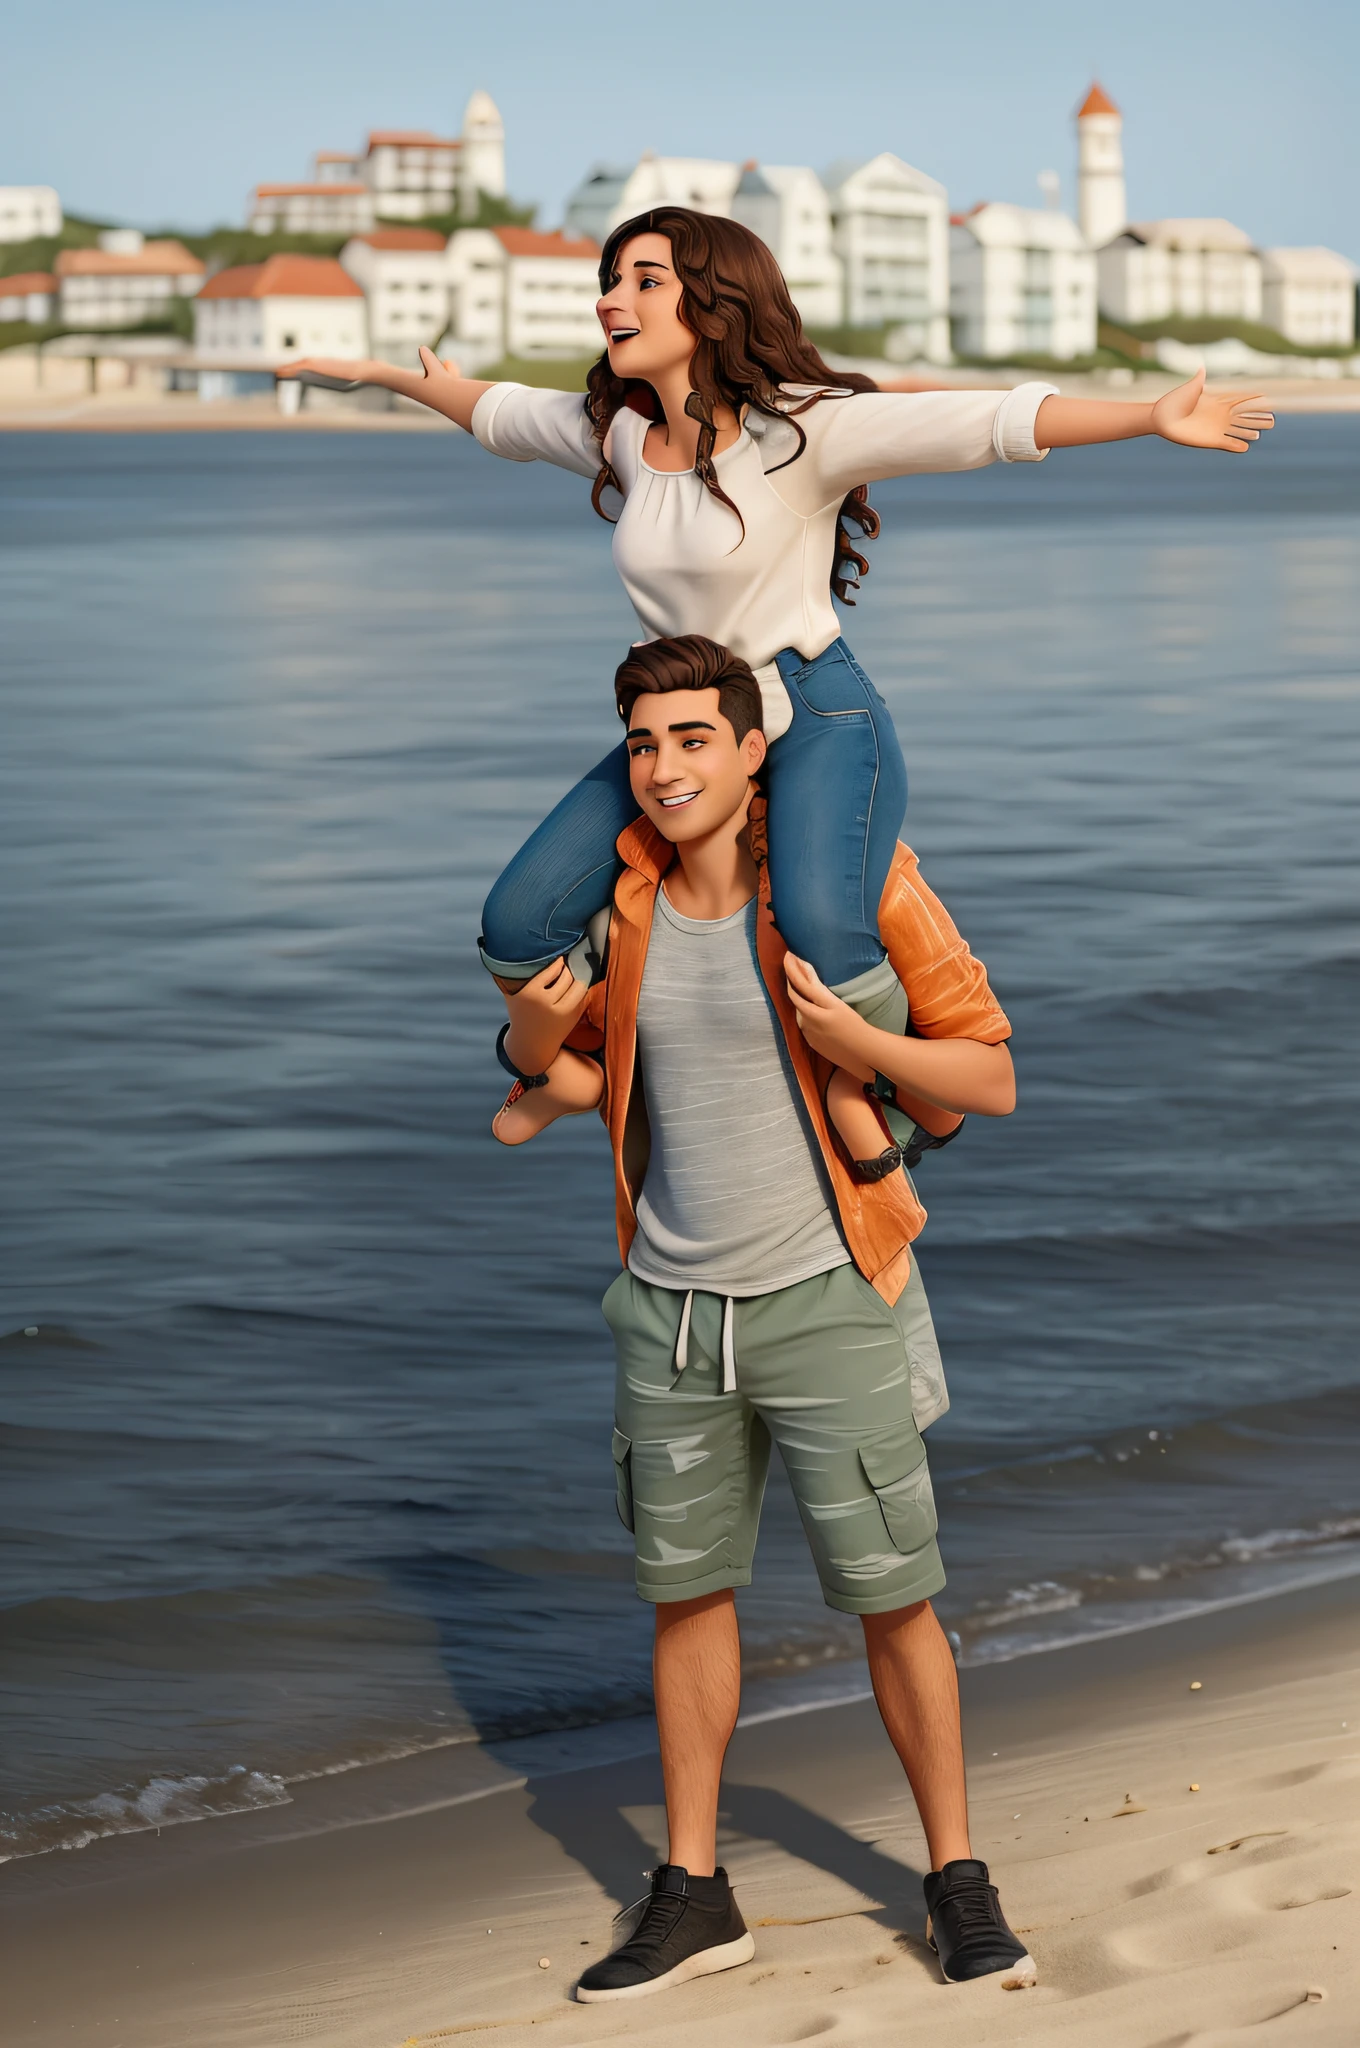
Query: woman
739	463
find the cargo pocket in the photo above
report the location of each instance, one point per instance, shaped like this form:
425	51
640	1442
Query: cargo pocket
623	1477
895	1466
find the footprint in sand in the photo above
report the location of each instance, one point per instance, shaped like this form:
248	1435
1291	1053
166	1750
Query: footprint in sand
1341	1770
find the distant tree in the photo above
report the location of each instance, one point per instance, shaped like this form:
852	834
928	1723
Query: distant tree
42	252
492	212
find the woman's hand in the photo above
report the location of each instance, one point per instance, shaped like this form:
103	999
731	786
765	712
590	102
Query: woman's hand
350	371
830	1026
441	375
1196	418
436	384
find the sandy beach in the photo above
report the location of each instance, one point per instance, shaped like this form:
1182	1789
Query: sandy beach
128	398
458	1893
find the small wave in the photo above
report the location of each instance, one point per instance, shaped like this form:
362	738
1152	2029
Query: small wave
1045	1596
162	1802
1271	1542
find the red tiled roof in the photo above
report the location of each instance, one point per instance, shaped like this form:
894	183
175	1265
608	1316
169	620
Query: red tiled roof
403	238
334	156
24	281
326	188
283	277
408	138
528	242
153	259
1097	101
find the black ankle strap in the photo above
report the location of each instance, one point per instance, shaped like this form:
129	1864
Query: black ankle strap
888	1161
525	1080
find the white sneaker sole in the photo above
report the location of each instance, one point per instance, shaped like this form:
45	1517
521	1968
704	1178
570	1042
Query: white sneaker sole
1016	1976
706	1963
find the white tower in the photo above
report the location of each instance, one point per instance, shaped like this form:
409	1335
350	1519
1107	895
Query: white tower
1102	209
481	165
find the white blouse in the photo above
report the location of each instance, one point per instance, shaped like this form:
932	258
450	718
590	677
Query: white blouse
683	558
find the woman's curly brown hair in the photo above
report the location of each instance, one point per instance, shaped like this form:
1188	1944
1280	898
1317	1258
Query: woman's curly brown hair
749	343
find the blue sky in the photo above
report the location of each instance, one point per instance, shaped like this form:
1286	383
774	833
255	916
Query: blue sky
152	113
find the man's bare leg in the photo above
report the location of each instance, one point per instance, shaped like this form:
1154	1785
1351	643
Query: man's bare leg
917	1690
690	1926
696	1675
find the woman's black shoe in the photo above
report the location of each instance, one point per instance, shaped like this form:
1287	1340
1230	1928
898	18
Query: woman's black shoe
690	1927
967	1928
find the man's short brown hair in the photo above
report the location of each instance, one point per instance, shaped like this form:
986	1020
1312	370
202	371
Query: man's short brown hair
690	662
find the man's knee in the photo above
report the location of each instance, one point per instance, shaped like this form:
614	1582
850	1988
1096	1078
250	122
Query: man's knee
917	1614
668	1611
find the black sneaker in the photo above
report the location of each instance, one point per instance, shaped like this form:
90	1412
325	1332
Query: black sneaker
967	1928
690	1927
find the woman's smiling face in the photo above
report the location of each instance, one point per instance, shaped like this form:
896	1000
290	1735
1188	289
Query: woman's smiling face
640	312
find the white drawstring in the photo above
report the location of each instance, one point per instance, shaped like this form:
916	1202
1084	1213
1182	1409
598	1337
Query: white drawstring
682	1341
729	1349
729	1346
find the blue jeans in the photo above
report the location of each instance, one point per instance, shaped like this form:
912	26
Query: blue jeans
837	789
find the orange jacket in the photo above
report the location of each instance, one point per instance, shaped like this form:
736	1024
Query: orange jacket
946	987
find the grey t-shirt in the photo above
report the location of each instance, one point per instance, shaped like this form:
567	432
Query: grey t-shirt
735	1198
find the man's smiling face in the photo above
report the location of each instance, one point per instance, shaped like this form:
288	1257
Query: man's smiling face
689	772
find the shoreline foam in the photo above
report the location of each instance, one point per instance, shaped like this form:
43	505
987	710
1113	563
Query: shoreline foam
1147	1925
167	1800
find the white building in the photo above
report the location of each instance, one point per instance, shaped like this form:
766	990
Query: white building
285	306
516	292
481	166
864	246
126	284
404	275
326	206
608	195
785	204
1180	269
28	212
1102	205
332	166
891	232
411	173
28	295
1307	295
1023	282
788	207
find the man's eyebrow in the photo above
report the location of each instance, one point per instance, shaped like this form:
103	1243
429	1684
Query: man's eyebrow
644	732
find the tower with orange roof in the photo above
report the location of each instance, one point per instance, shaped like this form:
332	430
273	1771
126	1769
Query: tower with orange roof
1102	209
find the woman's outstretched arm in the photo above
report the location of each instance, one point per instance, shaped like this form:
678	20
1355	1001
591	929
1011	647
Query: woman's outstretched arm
1190	415
437	384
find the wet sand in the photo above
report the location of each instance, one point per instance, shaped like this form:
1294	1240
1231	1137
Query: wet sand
412	1903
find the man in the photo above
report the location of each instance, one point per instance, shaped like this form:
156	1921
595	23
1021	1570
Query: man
766	1285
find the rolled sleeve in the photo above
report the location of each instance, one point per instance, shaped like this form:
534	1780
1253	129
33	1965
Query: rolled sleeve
1013	427
524	425
946	984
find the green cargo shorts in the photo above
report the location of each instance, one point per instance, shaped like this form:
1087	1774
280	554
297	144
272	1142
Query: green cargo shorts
822	1369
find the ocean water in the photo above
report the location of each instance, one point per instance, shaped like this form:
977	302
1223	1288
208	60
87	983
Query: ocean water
304	1392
